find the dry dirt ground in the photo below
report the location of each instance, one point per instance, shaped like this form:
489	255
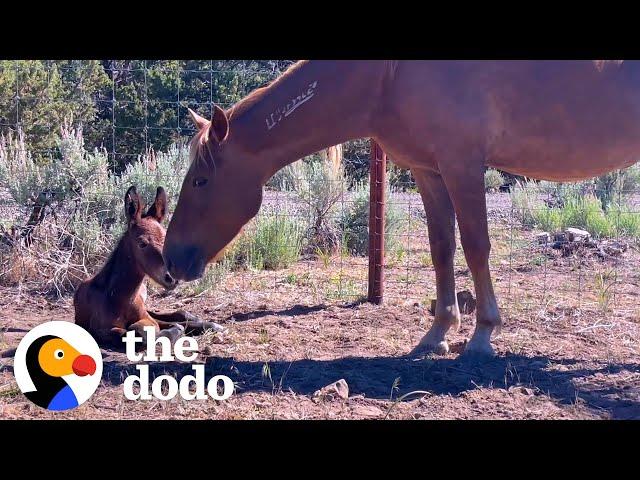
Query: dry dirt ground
568	350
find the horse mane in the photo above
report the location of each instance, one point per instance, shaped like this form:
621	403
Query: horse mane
105	275
200	141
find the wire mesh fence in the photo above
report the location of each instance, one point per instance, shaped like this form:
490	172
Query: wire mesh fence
77	134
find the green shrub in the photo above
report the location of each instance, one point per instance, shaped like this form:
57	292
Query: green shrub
525	203
354	223
625	222
493	180
82	200
614	186
269	242
577	210
319	184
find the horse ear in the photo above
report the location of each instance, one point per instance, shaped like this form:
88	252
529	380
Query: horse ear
199	122
219	124
132	204
158	209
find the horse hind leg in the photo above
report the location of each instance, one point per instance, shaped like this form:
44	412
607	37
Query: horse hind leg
191	324
465	183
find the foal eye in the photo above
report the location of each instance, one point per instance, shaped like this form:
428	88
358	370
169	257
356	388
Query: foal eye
199	182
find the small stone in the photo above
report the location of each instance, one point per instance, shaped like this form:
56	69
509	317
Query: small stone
368	411
559	237
522	390
466	302
543	238
576	234
339	389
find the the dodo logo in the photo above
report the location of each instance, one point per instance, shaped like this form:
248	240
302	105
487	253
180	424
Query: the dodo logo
58	365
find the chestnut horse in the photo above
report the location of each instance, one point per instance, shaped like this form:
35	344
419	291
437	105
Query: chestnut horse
446	121
112	301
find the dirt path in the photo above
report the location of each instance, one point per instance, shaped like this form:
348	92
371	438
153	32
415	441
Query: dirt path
546	369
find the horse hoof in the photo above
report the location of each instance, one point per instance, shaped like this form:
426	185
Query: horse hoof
440	348
478	352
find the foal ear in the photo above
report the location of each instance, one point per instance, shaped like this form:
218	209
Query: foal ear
219	124
158	209
199	122
132	204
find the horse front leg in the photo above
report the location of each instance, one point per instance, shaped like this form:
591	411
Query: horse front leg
465	184
442	239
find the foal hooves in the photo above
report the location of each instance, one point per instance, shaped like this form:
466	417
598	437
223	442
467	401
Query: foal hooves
216	327
440	348
173	333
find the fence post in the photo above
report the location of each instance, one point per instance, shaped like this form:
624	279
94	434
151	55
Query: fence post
377	175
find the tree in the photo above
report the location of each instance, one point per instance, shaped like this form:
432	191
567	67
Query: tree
38	95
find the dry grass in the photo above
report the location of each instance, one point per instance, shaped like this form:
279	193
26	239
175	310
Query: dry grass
568	349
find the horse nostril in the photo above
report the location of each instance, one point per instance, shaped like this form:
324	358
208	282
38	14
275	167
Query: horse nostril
168	278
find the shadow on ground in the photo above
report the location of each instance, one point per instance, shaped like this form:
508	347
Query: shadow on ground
374	377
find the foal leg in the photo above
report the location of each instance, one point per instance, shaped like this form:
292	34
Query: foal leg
442	239
172	331
111	337
190	322
465	183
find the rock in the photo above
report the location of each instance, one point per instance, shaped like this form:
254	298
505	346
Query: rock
336	390
368	411
466	302
543	238
522	390
577	235
560	237
614	248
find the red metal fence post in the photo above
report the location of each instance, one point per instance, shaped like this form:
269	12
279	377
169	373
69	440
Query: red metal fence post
377	174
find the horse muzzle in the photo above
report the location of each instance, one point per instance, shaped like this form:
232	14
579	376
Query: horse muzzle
186	264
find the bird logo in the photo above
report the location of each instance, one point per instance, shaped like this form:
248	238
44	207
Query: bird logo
58	365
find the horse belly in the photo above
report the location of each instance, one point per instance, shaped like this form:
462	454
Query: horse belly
561	161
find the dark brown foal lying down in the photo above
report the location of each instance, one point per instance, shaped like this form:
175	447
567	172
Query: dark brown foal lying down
112	301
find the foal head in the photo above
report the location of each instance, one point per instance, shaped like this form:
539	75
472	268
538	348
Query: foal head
221	192
145	235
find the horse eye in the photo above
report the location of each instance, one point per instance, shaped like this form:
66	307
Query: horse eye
199	182
143	244
58	354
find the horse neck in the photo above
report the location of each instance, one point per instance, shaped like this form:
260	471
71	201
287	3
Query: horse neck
121	276
313	106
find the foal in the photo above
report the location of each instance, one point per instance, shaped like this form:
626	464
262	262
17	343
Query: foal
112	301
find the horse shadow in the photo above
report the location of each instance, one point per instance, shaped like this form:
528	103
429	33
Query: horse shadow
374	377
295	310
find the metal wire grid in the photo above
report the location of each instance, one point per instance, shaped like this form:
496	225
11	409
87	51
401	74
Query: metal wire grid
409	273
